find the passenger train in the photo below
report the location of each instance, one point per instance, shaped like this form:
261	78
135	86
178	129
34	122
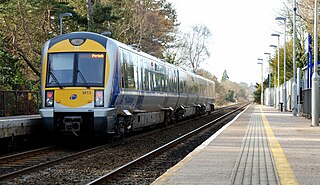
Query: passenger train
92	84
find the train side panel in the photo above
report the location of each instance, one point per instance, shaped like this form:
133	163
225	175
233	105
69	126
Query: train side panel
93	84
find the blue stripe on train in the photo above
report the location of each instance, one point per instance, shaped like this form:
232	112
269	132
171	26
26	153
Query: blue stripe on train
116	90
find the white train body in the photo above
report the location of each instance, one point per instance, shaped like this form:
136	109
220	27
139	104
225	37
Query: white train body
114	88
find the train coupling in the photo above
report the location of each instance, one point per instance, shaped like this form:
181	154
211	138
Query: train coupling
72	123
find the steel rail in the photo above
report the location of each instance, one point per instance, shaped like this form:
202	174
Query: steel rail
159	150
62	159
25	153
50	163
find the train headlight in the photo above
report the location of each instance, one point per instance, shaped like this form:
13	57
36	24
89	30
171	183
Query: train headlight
49	98
98	98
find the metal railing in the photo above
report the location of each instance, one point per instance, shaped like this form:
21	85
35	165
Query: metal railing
13	103
306	103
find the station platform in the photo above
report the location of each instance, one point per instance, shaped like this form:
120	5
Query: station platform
260	146
19	125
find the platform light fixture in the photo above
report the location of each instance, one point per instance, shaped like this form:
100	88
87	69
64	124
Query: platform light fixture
278	89
284	64
315	76
269	78
60	18
261	63
275	81
294	85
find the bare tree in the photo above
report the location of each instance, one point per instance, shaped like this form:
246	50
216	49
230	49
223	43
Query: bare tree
193	47
147	23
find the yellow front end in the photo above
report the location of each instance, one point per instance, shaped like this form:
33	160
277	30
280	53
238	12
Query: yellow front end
75	70
74	98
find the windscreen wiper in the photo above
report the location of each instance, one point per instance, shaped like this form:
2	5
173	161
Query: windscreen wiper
55	78
83	78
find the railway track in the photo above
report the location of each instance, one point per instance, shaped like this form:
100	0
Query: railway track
86	166
16	162
26	162
139	170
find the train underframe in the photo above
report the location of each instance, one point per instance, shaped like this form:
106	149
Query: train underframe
138	120
94	123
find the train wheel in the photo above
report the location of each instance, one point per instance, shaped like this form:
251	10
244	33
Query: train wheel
120	130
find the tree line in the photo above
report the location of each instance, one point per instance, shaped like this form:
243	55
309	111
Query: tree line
152	25
304	25
27	24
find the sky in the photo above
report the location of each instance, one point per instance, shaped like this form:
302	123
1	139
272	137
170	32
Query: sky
241	33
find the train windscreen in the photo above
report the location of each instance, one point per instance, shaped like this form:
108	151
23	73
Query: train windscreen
75	69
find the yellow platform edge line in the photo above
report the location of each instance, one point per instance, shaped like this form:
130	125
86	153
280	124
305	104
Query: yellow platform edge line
283	167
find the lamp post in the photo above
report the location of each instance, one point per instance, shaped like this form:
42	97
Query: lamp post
275	81
315	76
294	85
261	79
269	77
60	18
284	65
277	35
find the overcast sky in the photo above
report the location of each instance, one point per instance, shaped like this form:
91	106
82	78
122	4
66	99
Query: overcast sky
240	33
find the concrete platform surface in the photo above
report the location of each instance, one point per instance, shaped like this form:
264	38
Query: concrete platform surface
260	146
19	125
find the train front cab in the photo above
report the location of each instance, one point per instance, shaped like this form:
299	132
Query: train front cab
75	72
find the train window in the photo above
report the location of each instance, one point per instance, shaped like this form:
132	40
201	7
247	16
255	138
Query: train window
156	81
172	81
142	74
181	85
124	63
128	67
75	69
134	61
122	72
175	81
60	70
90	69
166	85
149	80
162	78
146	79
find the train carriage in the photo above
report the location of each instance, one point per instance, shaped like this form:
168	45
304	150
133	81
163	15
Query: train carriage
92	84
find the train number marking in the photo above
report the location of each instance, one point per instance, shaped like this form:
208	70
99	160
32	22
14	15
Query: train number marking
86	92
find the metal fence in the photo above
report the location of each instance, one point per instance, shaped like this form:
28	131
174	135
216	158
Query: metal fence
14	103
306	102
271	96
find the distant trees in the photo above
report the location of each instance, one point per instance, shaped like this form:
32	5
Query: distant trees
26	25
148	23
257	94
304	23
306	11
192	47
10	71
225	76
234	91
227	91
151	24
